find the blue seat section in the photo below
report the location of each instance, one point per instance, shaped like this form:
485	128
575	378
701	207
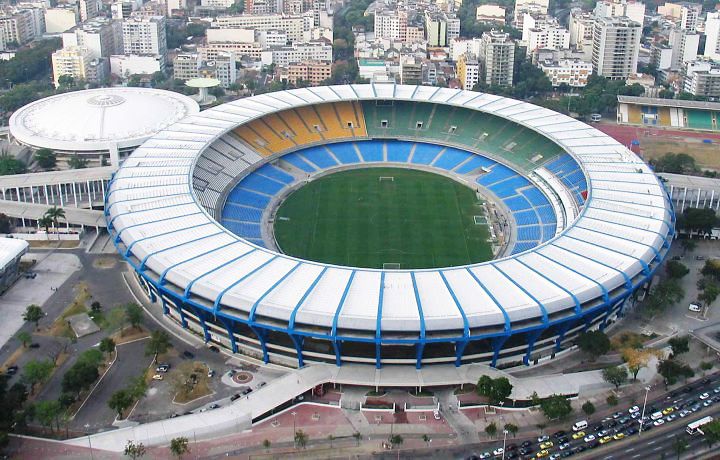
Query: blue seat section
238	212
496	174
371	150
425	153
536	197
523	246
529	233
526	217
474	163
319	156
245	197
298	162
243	230
257	241
547	215
509	187
345	152
398	152
278	174
517	203
451	158
262	184
568	171
548	232
562	165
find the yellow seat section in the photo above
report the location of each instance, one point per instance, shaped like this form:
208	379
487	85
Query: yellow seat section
304	134
311	119
334	129
360	117
254	140
278	126
348	114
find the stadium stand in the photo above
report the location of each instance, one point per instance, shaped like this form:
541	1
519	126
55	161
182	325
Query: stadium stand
318	156
568	171
304	133
345	152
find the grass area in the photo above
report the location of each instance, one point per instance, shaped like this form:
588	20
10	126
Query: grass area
182	381
417	220
61	327
705	155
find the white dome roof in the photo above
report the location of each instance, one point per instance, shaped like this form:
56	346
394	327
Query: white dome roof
97	118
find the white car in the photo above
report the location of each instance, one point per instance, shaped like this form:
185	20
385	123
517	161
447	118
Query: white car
564	446
485	455
498	451
157	377
716	390
634	409
554	456
705	396
589	438
694	307
659	422
543	438
684	413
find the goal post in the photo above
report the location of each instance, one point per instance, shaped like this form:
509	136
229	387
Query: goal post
386	179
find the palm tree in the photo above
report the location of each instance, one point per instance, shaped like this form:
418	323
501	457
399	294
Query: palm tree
357	437
55	214
301	438
46	222
427	439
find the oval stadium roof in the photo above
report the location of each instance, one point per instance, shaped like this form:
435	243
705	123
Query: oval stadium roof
95	119
625	223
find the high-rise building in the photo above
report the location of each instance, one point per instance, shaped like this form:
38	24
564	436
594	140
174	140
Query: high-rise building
616	45
144	36
60	19
549	38
712	32
436	29
313	72
684	46
293	25
89	9
391	24
497	56
186	66
102	37
619	8
702	78
410	70
71	61
17	27
255	7
685	14
581	28
468	71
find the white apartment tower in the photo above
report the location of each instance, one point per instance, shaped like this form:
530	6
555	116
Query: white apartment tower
497	55
391	24
616	45
73	61
144	36
712	32
619	8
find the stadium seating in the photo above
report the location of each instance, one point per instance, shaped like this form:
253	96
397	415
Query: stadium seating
304	133
318	156
372	150
296	160
398	151
424	154
569	173
450	158
345	152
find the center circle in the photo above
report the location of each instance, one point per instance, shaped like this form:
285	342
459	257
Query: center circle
383	217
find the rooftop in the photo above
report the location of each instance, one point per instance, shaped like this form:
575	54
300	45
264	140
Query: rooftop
677	103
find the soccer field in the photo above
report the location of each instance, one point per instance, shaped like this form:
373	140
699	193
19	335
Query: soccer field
417	220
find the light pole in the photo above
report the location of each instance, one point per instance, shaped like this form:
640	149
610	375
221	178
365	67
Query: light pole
505	433
293	413
87	431
642	415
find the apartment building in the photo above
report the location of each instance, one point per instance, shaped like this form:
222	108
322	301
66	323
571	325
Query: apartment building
497	55
616	45
571	72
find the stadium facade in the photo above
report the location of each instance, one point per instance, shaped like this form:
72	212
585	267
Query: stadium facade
589	225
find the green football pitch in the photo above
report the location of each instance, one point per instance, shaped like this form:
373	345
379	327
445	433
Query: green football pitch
412	218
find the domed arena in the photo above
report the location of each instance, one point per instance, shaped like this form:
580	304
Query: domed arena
385	224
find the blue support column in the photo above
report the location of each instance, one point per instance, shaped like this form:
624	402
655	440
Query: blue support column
497	344
531	338
262	337
378	355
227	322
459	350
298	341
419	347
165	308
201	316
183	320
153	297
562	330
588	320
338	358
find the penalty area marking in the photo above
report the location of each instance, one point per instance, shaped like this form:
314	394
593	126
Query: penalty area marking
391	266
480	220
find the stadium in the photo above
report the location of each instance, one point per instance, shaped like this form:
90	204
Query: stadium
569	224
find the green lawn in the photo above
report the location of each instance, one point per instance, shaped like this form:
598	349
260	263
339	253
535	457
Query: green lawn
419	220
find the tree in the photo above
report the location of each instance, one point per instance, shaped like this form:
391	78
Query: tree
55	214
179	446
425	439
134	450
5	223
510	428
611	400
496	390
396	440
697	219
671	370
107	345
33	314
77	162
710	288
10	165
25	338
357	437
556	407
636	359
45	222
588	408
134	315
688	245
266	444
680	445
119	401
679	345
712	432
45	158
331	438
48	412
615	375
158	344
36	372
491	429
594	343
79	377
96	307
676	269
678	163
301	438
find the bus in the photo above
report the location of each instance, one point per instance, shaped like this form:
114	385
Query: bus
695	427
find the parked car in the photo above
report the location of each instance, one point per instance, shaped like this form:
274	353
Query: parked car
214	406
214	349
162	368
188	355
11	370
211	373
157	377
34	345
235	397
